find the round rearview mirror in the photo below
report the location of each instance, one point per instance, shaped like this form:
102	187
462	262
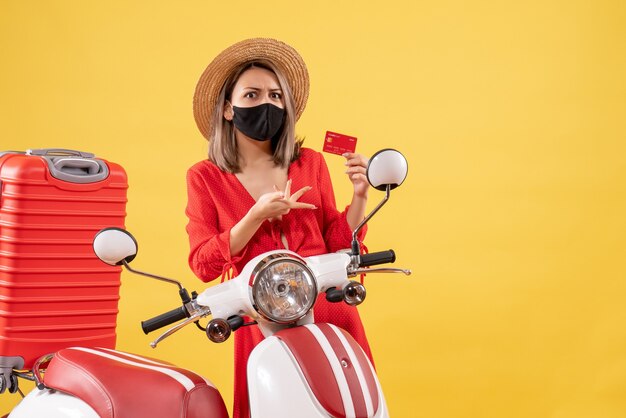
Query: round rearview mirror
387	167
114	246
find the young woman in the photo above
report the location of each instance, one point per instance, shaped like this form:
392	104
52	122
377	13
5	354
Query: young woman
260	190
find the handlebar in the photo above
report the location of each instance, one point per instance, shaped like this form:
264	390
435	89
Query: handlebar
380	257
182	312
164	319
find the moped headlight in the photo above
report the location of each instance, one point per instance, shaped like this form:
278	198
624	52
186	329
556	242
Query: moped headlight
283	288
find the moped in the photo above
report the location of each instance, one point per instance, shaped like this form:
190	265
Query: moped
300	369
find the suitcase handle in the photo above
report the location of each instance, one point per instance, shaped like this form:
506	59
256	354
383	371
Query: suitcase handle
59	151
72	166
77	166
77	170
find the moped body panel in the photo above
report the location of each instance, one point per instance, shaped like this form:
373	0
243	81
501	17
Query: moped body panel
52	404
316	370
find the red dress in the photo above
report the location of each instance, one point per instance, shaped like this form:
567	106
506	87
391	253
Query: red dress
217	201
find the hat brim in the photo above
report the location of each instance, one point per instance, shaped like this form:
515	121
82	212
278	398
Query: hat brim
212	80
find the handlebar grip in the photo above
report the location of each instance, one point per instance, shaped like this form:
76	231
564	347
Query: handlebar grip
380	257
163	320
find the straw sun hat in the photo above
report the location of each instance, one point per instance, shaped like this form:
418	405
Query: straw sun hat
283	56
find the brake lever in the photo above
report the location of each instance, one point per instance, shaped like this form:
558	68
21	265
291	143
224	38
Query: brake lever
379	270
200	313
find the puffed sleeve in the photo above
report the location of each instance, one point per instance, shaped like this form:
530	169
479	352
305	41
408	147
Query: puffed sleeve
337	232
209	255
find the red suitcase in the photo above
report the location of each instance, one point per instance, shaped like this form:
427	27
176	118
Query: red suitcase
54	292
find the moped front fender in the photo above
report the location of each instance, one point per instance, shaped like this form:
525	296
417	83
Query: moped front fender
315	370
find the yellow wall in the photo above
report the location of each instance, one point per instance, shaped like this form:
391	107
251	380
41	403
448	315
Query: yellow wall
513	218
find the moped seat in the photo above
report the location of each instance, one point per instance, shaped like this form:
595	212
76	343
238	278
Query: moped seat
122	385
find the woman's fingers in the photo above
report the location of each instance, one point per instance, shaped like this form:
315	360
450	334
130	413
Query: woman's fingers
293	201
270	205
278	195
356	169
288	189
297	195
277	203
353	159
358	177
302	205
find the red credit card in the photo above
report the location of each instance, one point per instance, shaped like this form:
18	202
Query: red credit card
338	143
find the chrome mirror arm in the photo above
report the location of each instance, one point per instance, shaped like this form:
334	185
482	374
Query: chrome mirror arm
356	248
152	276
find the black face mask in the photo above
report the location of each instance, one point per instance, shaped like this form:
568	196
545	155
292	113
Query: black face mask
260	122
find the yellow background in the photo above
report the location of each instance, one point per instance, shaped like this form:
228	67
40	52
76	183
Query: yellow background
513	218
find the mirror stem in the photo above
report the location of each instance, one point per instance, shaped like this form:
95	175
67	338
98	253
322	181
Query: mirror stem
356	248
164	279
